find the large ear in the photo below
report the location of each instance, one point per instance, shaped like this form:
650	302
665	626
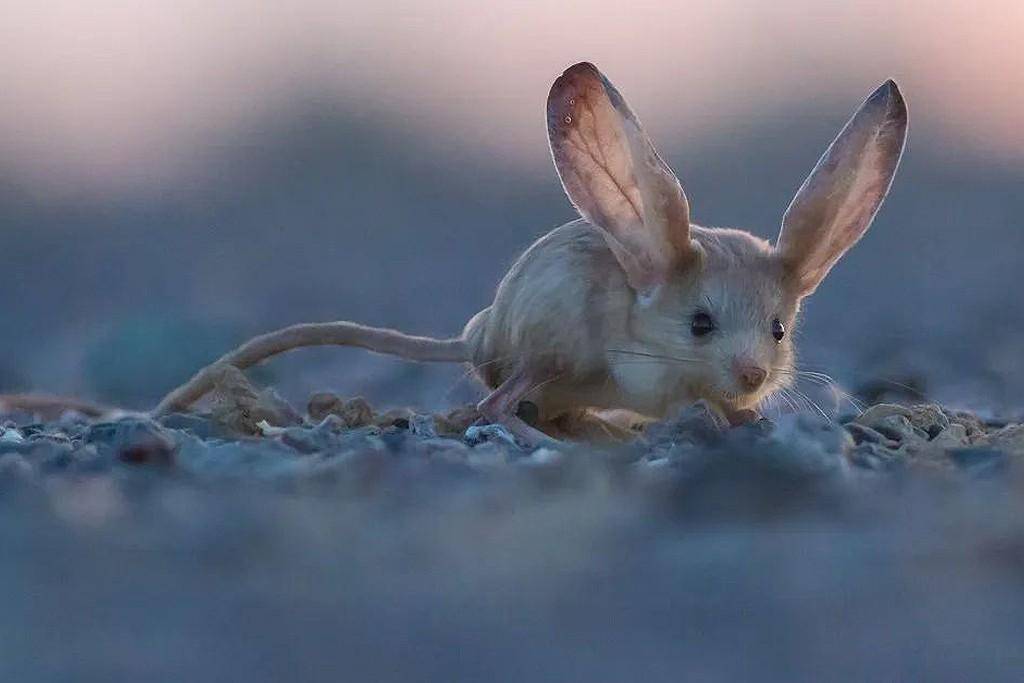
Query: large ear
615	178
836	204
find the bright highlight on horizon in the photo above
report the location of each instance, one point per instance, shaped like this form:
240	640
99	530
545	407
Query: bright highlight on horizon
107	98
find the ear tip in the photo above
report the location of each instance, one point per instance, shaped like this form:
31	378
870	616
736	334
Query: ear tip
578	82
896	94
577	76
582	68
889	95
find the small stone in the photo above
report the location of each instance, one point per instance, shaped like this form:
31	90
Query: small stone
395	438
898	428
188	422
544	456
1010	439
355	412
698	423
321	405
953	436
873	456
801	444
396	417
478	434
928	417
264	428
279	409
863	434
51	437
28	429
457	421
423	426
239	407
874	414
11	435
971	423
332	424
301	439
134	441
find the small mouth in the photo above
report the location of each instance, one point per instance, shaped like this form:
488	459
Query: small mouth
738	400
731	399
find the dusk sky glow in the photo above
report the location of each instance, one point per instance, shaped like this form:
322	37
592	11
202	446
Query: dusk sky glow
111	96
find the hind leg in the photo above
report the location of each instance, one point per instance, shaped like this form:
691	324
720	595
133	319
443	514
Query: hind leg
500	407
599	426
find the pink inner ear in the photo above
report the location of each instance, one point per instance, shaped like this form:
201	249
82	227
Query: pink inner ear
615	178
837	203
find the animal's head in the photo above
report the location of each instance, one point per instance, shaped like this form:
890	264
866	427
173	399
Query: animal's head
721	301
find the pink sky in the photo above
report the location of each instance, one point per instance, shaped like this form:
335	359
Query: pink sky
110	96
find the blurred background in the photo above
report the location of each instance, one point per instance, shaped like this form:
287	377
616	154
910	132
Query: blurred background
175	177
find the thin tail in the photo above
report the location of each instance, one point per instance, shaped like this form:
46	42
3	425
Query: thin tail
50	407
340	333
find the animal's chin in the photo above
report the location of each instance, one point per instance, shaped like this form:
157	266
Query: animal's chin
734	400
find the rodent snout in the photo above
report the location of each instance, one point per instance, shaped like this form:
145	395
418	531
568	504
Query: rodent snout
750	375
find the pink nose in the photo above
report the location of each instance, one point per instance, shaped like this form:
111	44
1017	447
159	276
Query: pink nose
750	376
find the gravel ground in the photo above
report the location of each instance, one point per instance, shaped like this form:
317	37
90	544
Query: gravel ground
255	544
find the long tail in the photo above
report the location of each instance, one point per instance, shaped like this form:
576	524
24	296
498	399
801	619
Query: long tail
254	351
51	406
340	333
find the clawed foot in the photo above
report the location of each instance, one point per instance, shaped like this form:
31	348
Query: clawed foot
501	407
522	435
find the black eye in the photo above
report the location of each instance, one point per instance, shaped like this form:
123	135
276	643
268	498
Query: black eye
778	330
701	324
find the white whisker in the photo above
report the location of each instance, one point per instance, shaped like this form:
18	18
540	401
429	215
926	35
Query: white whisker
818	408
654	355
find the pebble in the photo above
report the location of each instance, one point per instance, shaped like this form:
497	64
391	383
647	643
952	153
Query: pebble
198	425
304	440
457	421
886	437
478	434
862	433
546	456
929	418
133	441
354	412
899	429
423	426
696	424
876	413
874	457
1009	438
11	435
953	436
